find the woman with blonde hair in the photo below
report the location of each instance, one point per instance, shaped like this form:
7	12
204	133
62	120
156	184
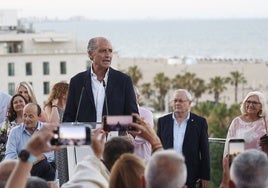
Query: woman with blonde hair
26	90
127	172
56	102
251	124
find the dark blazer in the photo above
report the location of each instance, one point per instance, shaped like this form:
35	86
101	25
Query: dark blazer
195	145
121	99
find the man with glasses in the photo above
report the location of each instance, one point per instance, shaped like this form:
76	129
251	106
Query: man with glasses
187	133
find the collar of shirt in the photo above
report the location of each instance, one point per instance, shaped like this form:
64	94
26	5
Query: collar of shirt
94	76
187	118
38	127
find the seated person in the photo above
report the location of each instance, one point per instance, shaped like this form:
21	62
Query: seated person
44	165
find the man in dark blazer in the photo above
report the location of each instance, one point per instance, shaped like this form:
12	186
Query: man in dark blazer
101	90
187	133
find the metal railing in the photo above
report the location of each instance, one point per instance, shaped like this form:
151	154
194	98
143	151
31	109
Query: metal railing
216	154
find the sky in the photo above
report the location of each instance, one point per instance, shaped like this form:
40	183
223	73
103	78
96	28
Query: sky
138	9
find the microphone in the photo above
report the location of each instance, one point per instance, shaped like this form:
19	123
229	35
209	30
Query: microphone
105	97
79	103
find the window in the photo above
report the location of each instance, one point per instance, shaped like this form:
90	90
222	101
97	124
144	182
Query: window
11	88
46	68
63	67
28	68
46	88
11	69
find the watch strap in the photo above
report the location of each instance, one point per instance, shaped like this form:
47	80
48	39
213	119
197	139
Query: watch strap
25	156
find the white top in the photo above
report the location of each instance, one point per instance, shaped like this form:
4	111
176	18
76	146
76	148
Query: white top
143	148
90	172
4	103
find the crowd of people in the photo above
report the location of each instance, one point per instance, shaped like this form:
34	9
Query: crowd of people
177	154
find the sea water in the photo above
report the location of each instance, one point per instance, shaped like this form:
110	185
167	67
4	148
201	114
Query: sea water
244	38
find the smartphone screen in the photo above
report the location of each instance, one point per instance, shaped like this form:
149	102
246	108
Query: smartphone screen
118	123
72	135
235	147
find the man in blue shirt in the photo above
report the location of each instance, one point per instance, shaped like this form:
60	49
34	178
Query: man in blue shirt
44	165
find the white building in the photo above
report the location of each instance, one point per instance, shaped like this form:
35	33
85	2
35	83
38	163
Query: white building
39	58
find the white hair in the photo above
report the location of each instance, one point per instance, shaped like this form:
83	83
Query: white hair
166	169
187	93
250	169
262	100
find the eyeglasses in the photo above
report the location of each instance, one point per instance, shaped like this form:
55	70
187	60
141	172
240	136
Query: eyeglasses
180	100
253	102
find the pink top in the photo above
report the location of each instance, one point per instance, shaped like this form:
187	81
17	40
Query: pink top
249	131
143	148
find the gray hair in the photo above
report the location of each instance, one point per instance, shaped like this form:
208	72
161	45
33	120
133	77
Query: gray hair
166	169
250	169
93	43
187	93
261	99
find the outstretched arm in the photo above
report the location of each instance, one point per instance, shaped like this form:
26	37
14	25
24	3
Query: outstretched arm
37	145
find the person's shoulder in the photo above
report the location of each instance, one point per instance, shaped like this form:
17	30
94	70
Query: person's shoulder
80	75
196	116
16	130
117	73
4	96
145	110
165	116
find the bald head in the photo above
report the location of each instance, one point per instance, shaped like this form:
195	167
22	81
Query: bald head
31	114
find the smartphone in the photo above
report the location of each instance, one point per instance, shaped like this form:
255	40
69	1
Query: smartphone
235	146
118	123
72	135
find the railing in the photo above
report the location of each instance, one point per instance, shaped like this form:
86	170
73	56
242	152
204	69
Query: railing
216	154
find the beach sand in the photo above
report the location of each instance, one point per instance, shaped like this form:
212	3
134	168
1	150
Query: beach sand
254	71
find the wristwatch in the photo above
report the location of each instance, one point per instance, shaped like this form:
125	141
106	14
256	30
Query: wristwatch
25	156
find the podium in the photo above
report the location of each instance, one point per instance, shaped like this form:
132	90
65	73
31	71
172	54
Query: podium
67	158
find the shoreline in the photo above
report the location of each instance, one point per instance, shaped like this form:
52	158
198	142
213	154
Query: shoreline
254	71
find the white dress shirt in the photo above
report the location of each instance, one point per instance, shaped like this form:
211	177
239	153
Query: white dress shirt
179	132
98	89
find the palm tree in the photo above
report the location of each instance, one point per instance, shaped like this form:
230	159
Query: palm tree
135	73
235	79
199	88
216	86
146	91
185	81
161	82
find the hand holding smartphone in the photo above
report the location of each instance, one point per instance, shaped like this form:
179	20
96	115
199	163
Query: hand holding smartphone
235	146
118	123
72	135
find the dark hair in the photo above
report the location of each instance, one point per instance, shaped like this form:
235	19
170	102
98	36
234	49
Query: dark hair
11	114
37	106
38	109
264	140
114	148
36	182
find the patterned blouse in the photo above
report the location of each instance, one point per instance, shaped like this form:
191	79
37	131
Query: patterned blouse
249	131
